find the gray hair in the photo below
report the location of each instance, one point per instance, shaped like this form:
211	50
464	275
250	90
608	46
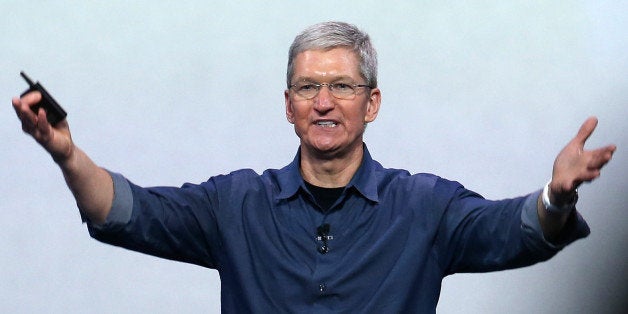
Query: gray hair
329	35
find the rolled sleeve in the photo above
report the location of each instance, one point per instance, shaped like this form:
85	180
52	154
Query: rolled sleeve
121	207
575	228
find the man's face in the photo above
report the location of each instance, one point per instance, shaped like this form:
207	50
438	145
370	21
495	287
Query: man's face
326	125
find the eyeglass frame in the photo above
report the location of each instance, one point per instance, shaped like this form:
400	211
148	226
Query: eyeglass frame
330	86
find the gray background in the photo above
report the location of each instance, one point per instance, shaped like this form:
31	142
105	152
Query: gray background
485	93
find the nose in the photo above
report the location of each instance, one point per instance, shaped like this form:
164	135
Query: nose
324	101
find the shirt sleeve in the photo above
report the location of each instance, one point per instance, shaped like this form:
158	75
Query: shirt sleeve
121	207
479	235
176	223
575	228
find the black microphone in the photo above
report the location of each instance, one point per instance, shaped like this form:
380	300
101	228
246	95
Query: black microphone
323	235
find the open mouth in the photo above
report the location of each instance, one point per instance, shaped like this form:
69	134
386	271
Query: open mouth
327	124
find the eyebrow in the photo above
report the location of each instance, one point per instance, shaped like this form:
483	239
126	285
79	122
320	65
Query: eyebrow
334	79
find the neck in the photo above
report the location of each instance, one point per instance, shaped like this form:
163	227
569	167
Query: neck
330	171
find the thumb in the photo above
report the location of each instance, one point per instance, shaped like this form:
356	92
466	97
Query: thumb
585	131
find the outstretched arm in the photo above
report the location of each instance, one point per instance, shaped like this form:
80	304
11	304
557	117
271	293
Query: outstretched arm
573	166
91	185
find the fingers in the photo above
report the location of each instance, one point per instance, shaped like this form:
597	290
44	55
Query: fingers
593	163
31	98
43	126
33	123
22	107
601	157
26	116
585	131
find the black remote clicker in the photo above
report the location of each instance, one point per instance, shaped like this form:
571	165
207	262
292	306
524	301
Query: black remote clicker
54	112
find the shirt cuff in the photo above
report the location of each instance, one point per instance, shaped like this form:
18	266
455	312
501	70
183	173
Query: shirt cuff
575	228
121	206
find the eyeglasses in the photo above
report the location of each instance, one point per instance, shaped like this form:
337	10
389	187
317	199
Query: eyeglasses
309	90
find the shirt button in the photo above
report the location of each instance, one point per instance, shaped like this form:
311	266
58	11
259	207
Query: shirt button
323	249
322	287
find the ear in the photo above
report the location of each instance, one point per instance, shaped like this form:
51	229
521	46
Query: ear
375	99
289	109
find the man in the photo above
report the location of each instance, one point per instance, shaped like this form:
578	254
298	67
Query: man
333	231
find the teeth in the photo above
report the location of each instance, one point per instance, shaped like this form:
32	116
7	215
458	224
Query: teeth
326	123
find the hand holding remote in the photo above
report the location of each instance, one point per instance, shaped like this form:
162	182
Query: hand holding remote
43	118
54	112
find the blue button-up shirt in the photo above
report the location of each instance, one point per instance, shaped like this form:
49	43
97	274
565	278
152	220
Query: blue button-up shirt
392	237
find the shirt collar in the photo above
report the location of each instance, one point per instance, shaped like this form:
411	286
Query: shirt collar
364	180
289	178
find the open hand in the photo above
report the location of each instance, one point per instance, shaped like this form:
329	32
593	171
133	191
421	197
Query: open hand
574	165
